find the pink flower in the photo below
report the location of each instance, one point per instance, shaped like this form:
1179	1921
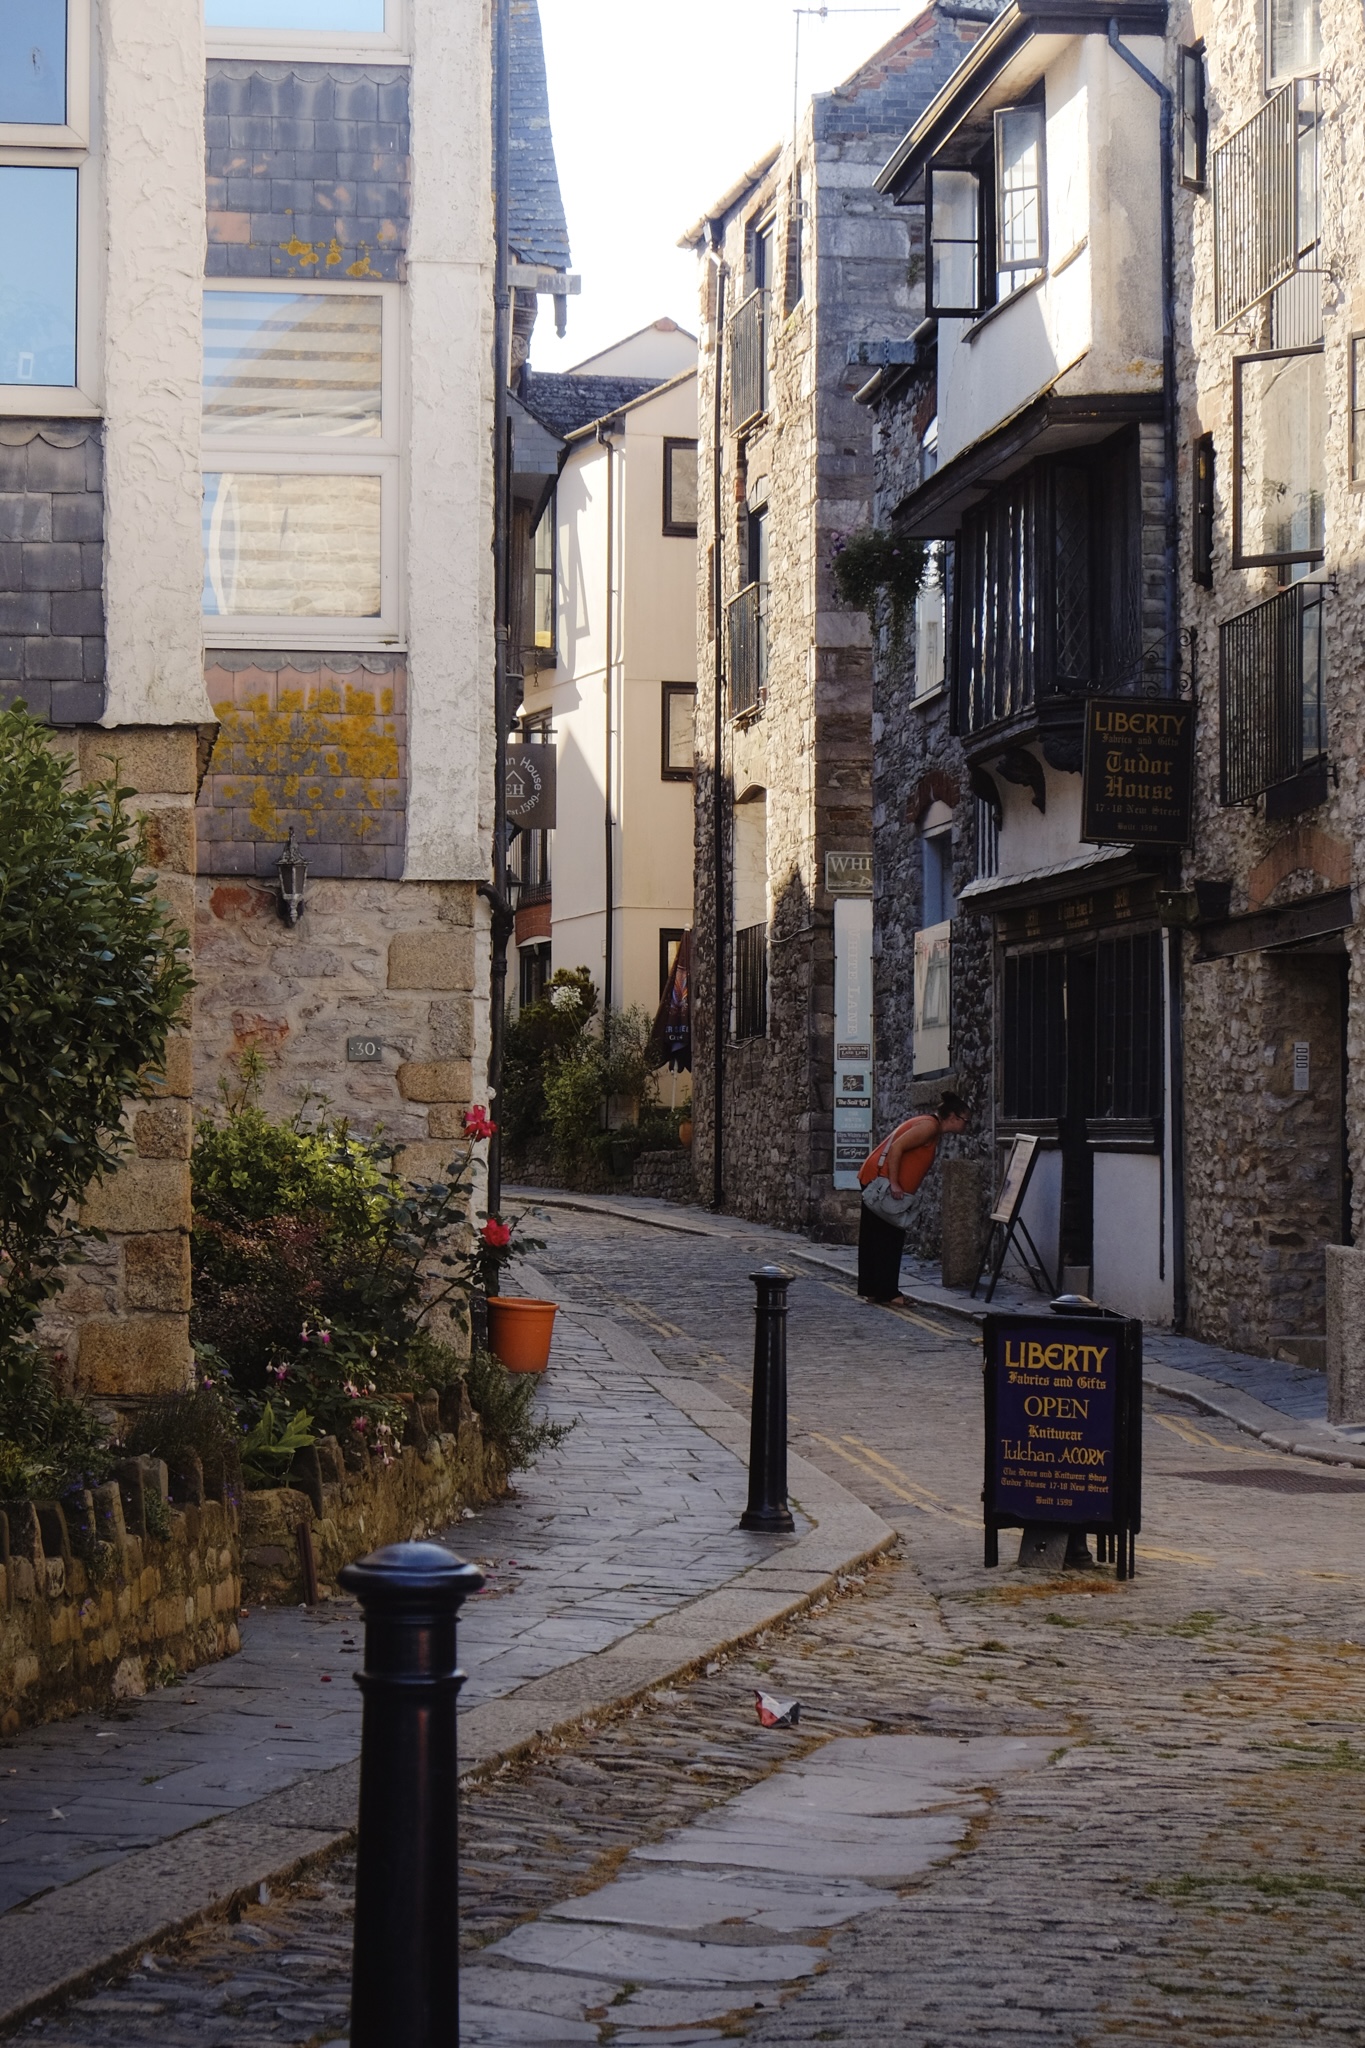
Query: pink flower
495	1234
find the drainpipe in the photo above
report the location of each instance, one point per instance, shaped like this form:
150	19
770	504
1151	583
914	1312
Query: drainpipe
718	1017
609	898
502	920
1171	621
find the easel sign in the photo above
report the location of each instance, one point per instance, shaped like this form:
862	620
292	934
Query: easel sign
1064	1429
1008	1227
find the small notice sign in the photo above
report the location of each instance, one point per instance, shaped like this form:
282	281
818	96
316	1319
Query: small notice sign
1138	777
848	874
1063	1425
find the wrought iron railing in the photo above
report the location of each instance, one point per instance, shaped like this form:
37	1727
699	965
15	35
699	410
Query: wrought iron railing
1265	199
1272	710
749	359
751	982
747	620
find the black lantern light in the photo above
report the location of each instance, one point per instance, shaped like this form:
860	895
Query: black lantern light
293	877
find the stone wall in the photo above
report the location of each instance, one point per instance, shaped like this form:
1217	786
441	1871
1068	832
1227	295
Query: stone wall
446	1467
1263	1164
918	762
809	743
95	1607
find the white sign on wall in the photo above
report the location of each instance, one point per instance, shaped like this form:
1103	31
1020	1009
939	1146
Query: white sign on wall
933	998
852	1037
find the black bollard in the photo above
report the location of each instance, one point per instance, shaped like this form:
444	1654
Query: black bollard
405	1973
767	1509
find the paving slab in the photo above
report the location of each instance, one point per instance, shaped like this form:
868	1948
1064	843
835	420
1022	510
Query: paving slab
617	1567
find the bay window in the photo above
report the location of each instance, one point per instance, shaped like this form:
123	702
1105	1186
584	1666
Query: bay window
1020	206
300	517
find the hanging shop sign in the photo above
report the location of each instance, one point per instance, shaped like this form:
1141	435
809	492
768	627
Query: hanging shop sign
529	786
1064	1428
1138	778
852	1036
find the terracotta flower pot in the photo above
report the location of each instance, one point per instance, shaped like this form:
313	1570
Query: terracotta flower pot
685	1132
519	1332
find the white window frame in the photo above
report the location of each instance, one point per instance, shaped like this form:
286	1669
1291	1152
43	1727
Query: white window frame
315	46
74	133
309	455
81	400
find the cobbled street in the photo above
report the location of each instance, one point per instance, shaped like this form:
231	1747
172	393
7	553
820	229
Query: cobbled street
1153	1835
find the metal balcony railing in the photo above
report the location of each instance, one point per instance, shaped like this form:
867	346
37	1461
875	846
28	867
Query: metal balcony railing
1265	199
749	359
751	982
1272	677
747	621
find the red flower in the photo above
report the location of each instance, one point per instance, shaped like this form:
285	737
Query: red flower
496	1234
476	1122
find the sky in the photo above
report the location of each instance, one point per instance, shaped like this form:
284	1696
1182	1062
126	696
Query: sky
658	106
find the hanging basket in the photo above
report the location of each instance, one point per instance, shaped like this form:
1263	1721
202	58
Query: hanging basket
519	1332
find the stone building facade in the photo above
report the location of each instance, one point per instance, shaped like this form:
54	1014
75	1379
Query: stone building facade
1272	601
803	266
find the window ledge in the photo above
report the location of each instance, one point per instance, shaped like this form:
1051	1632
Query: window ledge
930	696
1003	306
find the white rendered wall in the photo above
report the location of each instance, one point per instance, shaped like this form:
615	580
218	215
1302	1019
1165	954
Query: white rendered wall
149	61
1031	839
1094	323
1127	1248
663	350
447	541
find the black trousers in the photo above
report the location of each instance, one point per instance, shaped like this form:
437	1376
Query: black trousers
880	1245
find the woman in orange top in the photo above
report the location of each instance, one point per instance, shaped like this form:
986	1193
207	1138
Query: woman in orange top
889	1177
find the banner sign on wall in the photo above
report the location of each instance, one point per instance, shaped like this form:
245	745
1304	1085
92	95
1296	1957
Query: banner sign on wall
852	1037
1138	780
933	998
530	786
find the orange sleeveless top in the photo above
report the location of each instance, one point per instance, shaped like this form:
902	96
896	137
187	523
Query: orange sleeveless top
914	1166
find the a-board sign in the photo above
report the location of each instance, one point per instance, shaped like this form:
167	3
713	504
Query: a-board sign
1014	1185
1064	1426
1137	781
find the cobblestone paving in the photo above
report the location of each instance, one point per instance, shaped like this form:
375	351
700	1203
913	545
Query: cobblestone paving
596	1543
1181	1865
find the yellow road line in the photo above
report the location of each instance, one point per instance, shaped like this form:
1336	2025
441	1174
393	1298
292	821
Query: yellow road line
1204	1440
904	1477
916	1498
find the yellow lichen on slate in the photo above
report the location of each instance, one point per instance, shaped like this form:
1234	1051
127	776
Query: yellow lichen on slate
308	755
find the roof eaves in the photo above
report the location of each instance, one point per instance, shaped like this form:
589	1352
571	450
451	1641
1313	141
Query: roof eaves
629	404
729	200
987	58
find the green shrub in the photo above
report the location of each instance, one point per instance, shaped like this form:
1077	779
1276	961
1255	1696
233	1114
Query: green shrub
48	1442
92	982
537	1039
202	1422
874	571
505	1405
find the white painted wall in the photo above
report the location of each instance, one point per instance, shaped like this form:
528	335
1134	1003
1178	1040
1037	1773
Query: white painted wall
1127	1248
661	350
149	63
654	596
1094	323
1030	838
447	543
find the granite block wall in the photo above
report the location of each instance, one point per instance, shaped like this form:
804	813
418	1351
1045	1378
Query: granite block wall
52	568
308	171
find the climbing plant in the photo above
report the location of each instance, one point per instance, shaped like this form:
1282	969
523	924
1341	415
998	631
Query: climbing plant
880	574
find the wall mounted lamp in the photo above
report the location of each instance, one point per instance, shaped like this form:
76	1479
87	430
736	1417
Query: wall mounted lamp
293	880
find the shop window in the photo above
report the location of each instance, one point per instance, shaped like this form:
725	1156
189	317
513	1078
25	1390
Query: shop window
1033	1038
38	241
679	714
680	488
1128	1029
1279	426
300	513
